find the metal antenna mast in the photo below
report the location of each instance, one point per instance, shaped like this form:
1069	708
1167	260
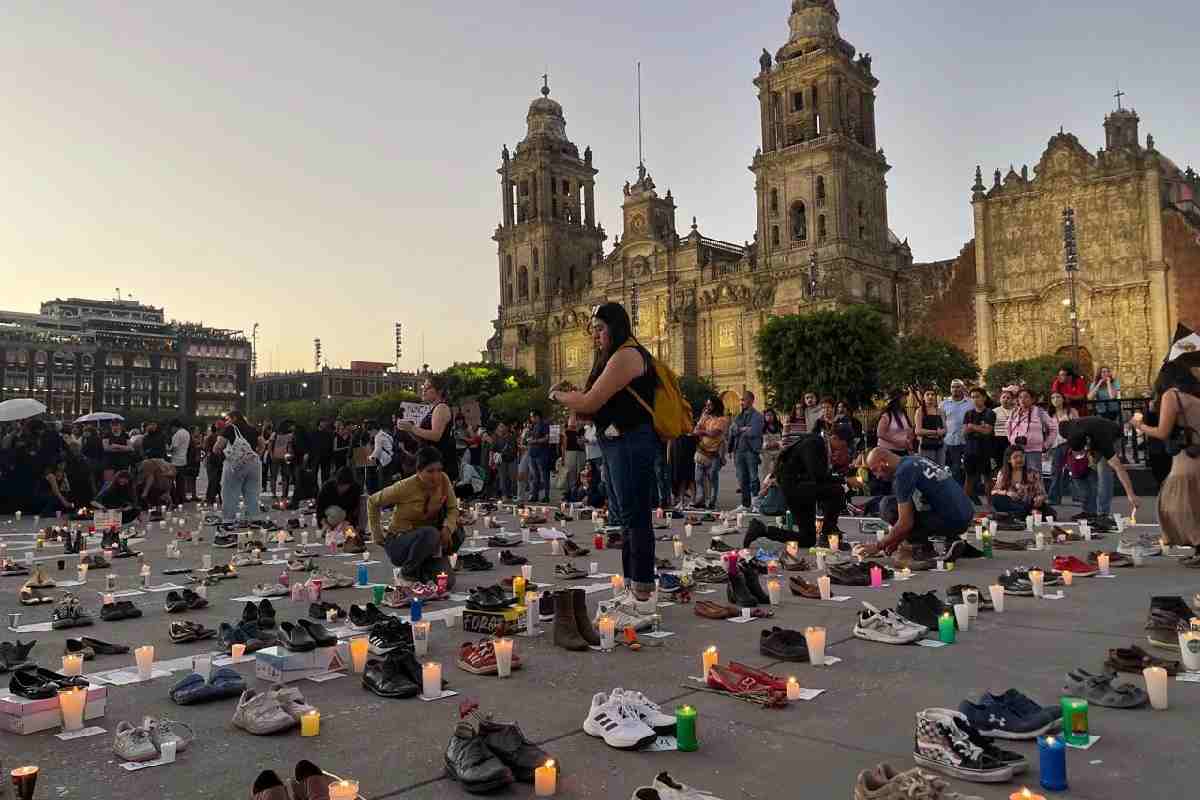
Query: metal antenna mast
641	159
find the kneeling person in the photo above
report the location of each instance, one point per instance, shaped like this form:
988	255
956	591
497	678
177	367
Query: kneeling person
803	475
424	527
929	502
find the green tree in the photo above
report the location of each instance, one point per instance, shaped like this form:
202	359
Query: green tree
483	380
381	407
696	391
835	353
304	412
515	404
1037	373
919	362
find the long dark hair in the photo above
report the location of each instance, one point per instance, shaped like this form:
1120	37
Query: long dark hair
895	409
718	405
1174	375
1006	468
620	330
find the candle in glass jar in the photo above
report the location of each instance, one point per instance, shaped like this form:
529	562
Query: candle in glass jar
431	680
826	587
687	530
519	589
310	723
358	653
1068	577
708	658
946	628
545	780
71	703
144	657
685	729
343	790
1037	580
1189	647
607	628
793	689
775	591
443	582
1075	720
814	637
1156	687
677	546
835	541
237	651
876	577
72	664
1102	563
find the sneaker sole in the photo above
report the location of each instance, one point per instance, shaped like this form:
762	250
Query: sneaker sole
870	636
593	729
1016	736
481	787
1166	645
998	775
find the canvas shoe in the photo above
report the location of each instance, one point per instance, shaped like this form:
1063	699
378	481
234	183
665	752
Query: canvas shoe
389	634
648	711
886	626
618	723
939	743
133	743
261	714
624	615
885	783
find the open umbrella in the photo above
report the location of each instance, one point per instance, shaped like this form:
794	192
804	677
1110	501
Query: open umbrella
100	416
20	408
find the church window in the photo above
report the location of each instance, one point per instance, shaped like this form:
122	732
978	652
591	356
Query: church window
774	201
523	284
820	190
800	222
774	236
821	227
798	101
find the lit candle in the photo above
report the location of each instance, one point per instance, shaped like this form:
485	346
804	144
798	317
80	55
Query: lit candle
83	570
946	628
814	637
358	653
775	591
1052	753
420	633
876	577
687	530
106	598
997	593
1025	794
527	571
545	780
144	656
708	658
519	589
906	573
618	584
962	615
1156	687
685	729
835	541
608	633
72	664
443	582
310	723
1068	577
1075	720
793	689
343	790
826	587
1102	563
1037	580
431	678
677	546
237	651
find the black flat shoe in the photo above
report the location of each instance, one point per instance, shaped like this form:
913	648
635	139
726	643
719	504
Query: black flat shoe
104	648
295	638
319	633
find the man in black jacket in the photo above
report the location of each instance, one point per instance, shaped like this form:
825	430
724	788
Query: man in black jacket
322	451
802	472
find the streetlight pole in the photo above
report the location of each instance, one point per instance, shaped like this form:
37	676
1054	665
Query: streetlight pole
1071	262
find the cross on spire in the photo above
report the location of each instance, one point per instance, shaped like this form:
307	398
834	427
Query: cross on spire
1119	95
546	84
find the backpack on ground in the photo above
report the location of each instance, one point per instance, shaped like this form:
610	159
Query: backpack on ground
671	412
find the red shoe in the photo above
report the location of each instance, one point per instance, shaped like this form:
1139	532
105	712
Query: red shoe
764	678
479	658
727	680
1073	565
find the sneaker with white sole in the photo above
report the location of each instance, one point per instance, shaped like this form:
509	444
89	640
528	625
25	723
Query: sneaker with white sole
261	714
624	615
133	743
649	712
939	743
886	626
670	789
1143	545
617	723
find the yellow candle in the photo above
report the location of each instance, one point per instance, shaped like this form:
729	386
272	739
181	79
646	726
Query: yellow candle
310	723
72	664
237	651
358	653
618	583
793	689
708	658
834	541
1068	577
545	780
519	588
343	790
1025	794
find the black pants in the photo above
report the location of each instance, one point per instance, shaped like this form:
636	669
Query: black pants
213	489
418	553
802	499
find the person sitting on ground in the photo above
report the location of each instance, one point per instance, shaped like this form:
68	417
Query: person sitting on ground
337	505
118	495
929	502
424	525
1018	490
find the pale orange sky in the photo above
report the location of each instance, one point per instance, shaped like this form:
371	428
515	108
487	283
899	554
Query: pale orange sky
327	169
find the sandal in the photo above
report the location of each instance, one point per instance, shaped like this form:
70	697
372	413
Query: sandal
1134	659
1099	689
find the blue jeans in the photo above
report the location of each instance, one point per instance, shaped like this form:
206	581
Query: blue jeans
629	461
747	462
597	492
662	477
708	478
539	476
1058	475
240	483
1098	490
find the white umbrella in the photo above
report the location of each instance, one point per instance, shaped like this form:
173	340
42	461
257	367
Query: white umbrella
20	408
100	416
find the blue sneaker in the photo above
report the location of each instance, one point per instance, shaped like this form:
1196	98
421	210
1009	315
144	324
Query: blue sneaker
668	583
225	682
994	717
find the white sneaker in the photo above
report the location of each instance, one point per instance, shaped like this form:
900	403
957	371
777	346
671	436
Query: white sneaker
648	711
617	723
670	789
1143	546
693	563
886	626
624	615
740	510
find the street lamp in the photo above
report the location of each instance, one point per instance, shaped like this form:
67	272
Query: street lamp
1071	262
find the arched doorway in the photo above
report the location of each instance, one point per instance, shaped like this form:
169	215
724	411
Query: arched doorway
732	402
1085	368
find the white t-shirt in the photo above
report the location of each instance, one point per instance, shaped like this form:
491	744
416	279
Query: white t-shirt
180	443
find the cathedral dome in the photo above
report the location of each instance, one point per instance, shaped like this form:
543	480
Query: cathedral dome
813	24
546	117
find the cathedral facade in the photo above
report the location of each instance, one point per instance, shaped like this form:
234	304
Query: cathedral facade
822	238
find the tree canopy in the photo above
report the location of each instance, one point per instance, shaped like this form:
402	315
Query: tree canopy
920	362
1037	373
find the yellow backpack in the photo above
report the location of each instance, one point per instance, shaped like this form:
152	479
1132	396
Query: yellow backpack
671	412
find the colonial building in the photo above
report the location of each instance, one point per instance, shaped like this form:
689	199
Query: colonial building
1138	236
364	379
822	237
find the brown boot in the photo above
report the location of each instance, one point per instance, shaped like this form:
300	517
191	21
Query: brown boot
566	627
586	629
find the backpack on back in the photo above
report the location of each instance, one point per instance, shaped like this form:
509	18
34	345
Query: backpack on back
671	412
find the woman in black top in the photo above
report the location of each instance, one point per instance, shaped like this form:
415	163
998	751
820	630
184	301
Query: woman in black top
931	428
436	428
622	374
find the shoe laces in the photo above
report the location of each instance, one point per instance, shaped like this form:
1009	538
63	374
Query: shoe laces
918	785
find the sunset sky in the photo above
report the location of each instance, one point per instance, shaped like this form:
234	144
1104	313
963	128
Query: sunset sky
326	169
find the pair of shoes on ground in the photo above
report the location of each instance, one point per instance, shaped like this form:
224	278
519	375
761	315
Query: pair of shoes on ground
1103	690
223	683
397	675
304	636
748	683
572	628
667	788
886	626
69	614
626	720
712	610
272	711
144	742
1169	615
492	756
1011	715
310	782
85	646
186	600
35	683
947	741
250	634
1134	659
885	783
745	589
183	631
479	658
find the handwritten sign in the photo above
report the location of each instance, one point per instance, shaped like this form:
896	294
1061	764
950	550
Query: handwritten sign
414	412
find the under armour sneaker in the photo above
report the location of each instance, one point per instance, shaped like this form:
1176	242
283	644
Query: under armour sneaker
617	722
886	626
941	744
1010	716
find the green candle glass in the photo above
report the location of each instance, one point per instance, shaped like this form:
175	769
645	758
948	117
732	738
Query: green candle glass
946	628
377	593
1075	720
685	729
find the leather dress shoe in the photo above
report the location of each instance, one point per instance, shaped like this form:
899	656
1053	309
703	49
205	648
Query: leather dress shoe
471	763
296	638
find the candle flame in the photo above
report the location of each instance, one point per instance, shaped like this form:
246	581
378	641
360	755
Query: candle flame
21	772
1025	792
711	649
1050	740
550	764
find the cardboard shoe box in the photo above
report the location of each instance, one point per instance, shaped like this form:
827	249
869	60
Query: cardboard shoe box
22	716
280	665
495	623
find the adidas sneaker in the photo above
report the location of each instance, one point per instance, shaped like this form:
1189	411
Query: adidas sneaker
617	722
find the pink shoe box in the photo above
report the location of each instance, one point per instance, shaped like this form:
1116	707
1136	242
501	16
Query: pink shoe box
22	716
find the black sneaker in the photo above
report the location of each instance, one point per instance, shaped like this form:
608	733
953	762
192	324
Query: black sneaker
471	763
320	611
365	616
509	559
388	635
784	645
1173	604
174	603
474	562
923	609
508	743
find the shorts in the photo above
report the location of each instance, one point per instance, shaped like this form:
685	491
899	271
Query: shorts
977	464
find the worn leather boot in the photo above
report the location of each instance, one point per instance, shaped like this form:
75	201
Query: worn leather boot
566	626
586	630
